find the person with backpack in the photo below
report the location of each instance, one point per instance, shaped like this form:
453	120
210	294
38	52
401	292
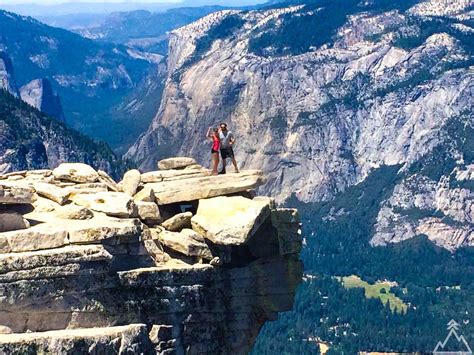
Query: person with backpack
227	140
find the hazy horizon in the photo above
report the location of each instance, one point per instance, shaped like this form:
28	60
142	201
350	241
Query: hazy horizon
59	2
54	3
38	8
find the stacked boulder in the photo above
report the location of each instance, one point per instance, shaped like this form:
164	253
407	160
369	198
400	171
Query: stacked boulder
84	251
15	201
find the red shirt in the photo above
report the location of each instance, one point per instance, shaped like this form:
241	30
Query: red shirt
215	143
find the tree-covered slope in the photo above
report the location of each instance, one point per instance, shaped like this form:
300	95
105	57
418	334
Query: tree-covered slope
436	284
91	78
29	139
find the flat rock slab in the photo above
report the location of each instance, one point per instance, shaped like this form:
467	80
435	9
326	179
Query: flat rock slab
10	221
39	237
52	257
115	204
186	242
75	172
229	220
178	222
53	232
91	187
103	229
10	194
170	175
52	192
41	172
74	212
197	188
175	163
128	339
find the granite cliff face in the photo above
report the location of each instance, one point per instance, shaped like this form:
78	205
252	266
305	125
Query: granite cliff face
89	265
40	94
437	202
7	78
372	84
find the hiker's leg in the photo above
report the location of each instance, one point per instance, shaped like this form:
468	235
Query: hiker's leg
223	158
216	163
235	165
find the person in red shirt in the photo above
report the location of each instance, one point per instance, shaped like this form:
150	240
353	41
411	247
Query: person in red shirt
213	135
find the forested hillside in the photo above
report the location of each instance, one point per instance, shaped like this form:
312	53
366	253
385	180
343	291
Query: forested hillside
29	139
436	285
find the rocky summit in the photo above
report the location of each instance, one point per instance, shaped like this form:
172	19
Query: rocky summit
169	261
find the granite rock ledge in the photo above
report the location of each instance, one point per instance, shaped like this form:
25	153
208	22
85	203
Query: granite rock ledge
173	261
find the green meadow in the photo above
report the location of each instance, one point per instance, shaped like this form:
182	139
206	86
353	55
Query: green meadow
380	290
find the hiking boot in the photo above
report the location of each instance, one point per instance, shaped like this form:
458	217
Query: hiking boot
222	172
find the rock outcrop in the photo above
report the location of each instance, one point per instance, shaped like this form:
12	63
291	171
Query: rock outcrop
86	268
7	77
40	94
442	210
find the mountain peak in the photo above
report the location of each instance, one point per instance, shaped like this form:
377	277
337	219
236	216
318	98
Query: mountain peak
39	93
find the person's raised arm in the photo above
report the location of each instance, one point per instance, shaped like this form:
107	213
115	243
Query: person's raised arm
208	134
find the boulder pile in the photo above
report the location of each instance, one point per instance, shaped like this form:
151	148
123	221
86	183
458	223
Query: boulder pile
80	251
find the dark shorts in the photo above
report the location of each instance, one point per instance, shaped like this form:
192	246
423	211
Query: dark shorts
213	151
227	153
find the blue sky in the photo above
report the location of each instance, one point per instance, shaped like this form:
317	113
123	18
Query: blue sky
56	2
48	2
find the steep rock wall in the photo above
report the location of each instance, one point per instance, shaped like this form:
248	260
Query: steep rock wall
89	265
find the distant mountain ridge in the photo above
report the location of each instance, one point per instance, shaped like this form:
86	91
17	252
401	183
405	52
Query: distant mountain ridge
71	8
142	29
